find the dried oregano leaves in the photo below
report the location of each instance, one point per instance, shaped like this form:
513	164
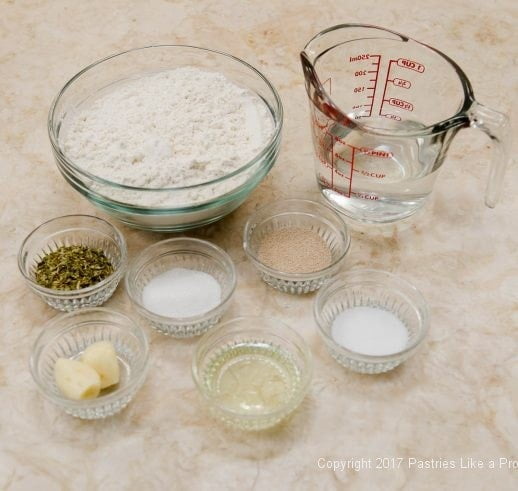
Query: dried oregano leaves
72	268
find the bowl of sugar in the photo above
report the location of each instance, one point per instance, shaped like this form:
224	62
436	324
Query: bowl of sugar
181	286
371	321
166	138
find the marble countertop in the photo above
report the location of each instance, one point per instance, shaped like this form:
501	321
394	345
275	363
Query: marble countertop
456	399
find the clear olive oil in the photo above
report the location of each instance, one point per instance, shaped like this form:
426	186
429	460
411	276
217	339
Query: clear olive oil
252	377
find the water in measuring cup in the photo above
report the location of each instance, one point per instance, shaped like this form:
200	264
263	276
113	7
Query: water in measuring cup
390	177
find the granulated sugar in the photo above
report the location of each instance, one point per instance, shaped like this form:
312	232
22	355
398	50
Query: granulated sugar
174	128
181	292
294	250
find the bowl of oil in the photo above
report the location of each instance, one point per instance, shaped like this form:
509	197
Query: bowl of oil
252	372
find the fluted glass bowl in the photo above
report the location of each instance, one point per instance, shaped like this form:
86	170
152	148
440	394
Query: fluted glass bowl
188	253
371	288
178	208
73	230
246	338
296	213
68	335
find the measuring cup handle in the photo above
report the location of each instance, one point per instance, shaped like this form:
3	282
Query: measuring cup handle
496	125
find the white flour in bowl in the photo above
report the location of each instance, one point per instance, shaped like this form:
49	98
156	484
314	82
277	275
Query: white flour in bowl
174	128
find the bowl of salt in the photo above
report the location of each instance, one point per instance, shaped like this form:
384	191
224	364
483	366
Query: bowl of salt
371	321
181	286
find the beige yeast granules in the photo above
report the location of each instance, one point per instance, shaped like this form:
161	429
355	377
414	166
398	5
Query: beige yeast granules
294	250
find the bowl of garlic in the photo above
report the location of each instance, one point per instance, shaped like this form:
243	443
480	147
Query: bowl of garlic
90	362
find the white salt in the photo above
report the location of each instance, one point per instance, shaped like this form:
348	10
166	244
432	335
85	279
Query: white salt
369	331
181	292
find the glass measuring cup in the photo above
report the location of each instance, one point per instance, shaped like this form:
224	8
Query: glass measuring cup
384	110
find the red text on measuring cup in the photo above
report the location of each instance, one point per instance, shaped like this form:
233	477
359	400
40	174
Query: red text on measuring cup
399	82
408	106
413	65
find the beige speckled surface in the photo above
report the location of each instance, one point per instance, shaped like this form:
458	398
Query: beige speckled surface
457	398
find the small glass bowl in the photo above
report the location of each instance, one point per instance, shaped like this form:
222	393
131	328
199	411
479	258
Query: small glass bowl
70	230
298	213
259	333
371	288
181	252
68	335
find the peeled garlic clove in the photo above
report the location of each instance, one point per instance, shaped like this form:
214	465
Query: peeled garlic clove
102	358
76	380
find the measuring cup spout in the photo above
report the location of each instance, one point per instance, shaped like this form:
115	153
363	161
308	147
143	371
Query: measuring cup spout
317	93
496	126
310	75
313	85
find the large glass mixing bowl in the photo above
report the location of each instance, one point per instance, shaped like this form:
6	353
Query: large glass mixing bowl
174	208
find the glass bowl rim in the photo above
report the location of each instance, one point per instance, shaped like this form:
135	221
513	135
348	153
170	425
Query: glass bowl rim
295	276
272	329
419	305
122	246
277	120
228	264
107	202
117	394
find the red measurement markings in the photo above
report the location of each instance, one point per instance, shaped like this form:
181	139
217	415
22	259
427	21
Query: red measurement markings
324	162
385	88
334	168
373	61
339	140
319	125
407	106
355	151
359	58
371	197
399	82
325	181
329	134
395	117
375	82
412	65
367	173
335	157
340	173
351	175
339	157
371	152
